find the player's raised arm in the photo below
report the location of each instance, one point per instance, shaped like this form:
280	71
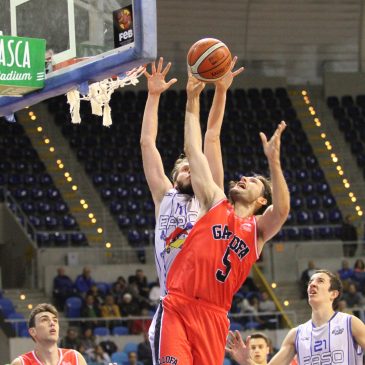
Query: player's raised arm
275	215
212	145
153	168
202	181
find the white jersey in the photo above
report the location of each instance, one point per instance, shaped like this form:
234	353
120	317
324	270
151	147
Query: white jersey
177	215
331	343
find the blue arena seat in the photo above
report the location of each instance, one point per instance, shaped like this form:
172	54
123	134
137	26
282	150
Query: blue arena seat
293	233
115	179
60	238
53	193
325	233
119	357
120	331
43	239
307	233
134	236
6	307
319	217
335	216
51	222
101	331
103	287
130	347
328	201
124	221
19	327
21	193
116	207
60	207
106	193
73	307
45	179
303	217
313	202
78	239
35	221
69	222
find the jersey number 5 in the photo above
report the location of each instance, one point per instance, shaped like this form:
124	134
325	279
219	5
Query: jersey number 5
223	275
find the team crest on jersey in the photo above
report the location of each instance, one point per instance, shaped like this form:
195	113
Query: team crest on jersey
246	227
337	330
168	360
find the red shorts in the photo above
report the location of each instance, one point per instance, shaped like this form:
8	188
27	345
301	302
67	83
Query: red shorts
192	332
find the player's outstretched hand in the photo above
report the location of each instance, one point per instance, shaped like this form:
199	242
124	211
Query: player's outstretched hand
272	147
226	81
156	79
194	86
238	350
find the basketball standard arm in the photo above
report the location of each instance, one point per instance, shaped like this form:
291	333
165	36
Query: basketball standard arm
275	216
202	181
212	145
157	180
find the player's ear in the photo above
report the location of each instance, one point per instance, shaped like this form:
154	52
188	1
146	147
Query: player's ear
335	294
262	200
32	331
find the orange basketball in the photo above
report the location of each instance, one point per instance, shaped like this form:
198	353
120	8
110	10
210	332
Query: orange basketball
209	59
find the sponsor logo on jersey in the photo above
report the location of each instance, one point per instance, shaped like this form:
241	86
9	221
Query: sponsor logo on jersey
337	330
246	227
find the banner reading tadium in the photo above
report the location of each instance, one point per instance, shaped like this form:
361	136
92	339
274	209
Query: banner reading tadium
22	65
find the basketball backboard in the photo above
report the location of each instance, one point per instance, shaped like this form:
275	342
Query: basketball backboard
109	37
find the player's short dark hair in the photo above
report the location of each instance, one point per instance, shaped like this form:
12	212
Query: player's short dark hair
43	307
335	284
266	192
181	159
261	335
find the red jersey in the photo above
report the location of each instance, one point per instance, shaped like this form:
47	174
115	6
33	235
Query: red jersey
66	357
216	257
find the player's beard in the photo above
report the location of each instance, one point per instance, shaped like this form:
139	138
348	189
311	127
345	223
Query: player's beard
233	194
185	189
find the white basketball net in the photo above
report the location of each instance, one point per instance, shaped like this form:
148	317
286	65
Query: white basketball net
99	95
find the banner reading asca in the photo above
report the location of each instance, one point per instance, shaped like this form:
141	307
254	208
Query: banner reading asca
22	65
